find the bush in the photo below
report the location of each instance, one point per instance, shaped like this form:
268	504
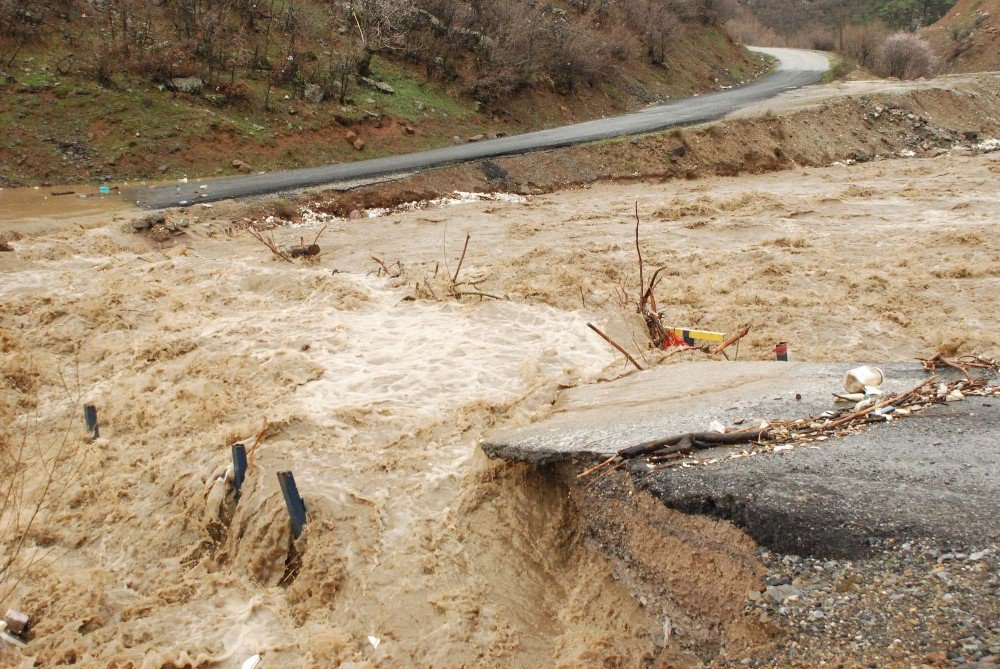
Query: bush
906	56
864	43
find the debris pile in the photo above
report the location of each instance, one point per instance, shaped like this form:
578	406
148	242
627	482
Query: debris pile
287	253
159	228
871	407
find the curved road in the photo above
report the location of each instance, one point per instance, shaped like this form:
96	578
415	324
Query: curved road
795	68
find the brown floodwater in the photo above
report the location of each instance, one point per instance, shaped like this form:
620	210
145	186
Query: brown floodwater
38	208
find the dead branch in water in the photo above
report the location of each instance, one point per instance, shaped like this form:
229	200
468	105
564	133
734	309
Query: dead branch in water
620	349
462	258
307	250
474	293
732	340
385	267
253	449
638	252
269	242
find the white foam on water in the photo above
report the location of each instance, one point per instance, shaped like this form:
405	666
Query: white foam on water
412	361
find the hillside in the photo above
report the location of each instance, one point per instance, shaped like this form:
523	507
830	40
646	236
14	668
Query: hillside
968	36
145	89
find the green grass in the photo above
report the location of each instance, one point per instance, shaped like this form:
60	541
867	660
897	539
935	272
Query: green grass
410	91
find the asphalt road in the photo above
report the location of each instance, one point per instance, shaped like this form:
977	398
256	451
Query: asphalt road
914	477
795	68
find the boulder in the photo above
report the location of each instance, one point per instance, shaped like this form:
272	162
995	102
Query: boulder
385	88
359	144
148	221
187	84
314	93
241	166
477	138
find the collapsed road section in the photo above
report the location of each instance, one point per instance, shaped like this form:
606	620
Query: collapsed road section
926	474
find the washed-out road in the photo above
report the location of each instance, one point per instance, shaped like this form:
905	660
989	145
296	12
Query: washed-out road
794	68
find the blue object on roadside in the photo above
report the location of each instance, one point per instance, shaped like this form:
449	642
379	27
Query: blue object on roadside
105	190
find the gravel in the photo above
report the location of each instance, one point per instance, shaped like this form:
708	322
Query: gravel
910	604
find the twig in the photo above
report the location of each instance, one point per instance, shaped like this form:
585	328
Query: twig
318	235
620	349
253	449
460	293
884	403
383	265
462	259
735	338
931	364
638	251
598	466
269	243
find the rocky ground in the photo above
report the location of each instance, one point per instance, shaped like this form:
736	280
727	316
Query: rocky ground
911	604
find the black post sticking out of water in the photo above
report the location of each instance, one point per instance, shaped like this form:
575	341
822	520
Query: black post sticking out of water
90	416
239	468
293	502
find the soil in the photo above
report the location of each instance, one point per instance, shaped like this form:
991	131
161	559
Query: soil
417	551
968	37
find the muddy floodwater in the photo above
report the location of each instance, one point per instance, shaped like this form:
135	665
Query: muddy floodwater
375	389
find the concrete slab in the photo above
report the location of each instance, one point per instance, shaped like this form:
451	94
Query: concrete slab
926	476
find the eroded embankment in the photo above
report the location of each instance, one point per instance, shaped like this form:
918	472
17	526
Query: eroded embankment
945	114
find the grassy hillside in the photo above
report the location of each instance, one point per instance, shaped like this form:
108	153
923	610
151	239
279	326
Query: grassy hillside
150	89
968	36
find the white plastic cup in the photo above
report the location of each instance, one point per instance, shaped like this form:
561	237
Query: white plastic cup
860	378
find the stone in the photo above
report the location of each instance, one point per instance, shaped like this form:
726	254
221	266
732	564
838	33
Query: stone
781	593
149	221
241	166
385	88
17	622
354	215
477	138
351	136
359	144
162	168
314	93
456	140
187	84
409	130
419	105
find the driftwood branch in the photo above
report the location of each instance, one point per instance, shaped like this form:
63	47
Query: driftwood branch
732	340
620	349
638	252
269	243
462	258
